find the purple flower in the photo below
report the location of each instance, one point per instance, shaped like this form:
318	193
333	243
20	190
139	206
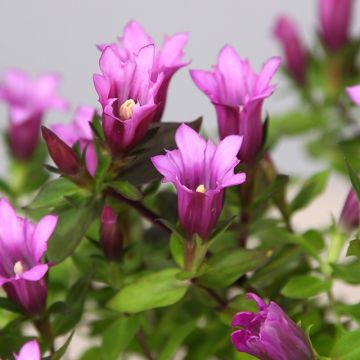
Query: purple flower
350	214
22	245
287	33
354	93
238	94
127	93
28	100
167	61
80	130
335	17
111	234
29	351
200	171
269	334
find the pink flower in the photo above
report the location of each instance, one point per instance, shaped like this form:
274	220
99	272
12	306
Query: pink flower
354	93
27	101
269	334
238	94
335	18
200	171
167	61
29	351
22	245
127	94
287	33
80	130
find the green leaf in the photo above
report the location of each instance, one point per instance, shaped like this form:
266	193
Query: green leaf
6	304
72	226
127	190
61	352
355	181
312	188
305	286
354	248
226	267
150	291
103	165
27	176
53	193
347	347
176	339
349	273
141	170
118	335
276	186
294	123
75	301
177	248
5	188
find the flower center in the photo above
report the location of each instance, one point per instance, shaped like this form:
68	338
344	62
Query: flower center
201	189
126	109
19	268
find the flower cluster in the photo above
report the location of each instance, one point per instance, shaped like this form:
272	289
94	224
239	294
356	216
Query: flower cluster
144	224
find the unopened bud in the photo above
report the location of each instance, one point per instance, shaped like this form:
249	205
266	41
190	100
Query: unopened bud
111	234
62	154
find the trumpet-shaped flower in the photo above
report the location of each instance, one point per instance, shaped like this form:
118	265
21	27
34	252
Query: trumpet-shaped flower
200	171
269	334
167	60
28	100
287	33
80	131
238	93
22	245
127	93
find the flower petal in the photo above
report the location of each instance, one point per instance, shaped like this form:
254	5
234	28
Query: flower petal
354	93
29	351
36	273
41	235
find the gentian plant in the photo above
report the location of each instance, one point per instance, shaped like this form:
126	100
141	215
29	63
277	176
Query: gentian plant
124	235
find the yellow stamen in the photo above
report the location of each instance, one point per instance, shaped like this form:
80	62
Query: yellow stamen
201	189
126	109
19	268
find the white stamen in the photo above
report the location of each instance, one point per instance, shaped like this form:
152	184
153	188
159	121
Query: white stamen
126	109
19	268
201	189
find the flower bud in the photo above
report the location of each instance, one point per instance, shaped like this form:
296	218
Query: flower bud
293	48
335	17
62	154
111	234
350	214
270	334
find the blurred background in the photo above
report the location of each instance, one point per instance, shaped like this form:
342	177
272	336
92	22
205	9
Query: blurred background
41	36
60	36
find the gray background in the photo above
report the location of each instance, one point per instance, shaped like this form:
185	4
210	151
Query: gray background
47	35
60	36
